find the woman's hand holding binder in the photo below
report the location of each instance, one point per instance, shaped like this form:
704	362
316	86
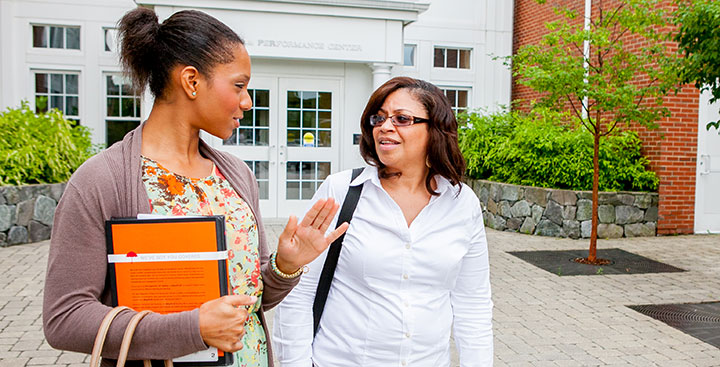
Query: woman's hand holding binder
222	321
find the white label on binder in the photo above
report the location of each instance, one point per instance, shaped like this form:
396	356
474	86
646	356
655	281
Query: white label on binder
208	355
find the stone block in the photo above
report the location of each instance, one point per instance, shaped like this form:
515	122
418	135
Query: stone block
640	230
2	199
613	198
554	212
7	216
655	200
56	191
564	197
549	229
609	230
651	214
495	192
528	226
483	195
521	209
536	195
17	235
12	194
44	210
489	219
569	212
584	195
24	212
492	206
537	212
643	201
511	192
38	231
571	228
625	214
504	209
606	213
3	239
584	210
514	224
586	228
500	223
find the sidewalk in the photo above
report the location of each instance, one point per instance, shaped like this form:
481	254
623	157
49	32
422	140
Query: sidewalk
540	319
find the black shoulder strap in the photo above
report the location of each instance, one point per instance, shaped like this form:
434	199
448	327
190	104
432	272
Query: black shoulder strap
326	277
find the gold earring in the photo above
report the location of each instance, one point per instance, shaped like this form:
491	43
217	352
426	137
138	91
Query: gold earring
427	161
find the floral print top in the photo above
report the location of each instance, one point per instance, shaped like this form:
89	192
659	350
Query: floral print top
172	194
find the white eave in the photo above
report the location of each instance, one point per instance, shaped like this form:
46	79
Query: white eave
405	11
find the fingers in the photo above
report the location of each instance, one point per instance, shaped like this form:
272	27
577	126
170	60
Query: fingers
309	218
337	232
324	214
289	230
240	300
328	219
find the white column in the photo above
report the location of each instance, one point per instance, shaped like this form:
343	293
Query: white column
381	73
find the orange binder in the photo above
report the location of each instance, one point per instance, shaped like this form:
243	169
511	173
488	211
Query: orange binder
169	265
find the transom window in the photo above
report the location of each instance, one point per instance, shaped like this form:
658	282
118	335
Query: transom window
123	106
303	179
254	128
110	38
55	36
458	99
260	169
57	90
409	55
452	58
309	118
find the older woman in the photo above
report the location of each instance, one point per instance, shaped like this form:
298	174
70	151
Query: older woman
414	261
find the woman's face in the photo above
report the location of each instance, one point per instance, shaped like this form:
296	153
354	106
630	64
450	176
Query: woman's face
225	97
401	147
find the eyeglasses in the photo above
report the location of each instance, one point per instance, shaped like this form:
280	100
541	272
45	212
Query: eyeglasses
397	120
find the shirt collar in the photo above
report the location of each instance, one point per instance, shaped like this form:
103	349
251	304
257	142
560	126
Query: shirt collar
370	173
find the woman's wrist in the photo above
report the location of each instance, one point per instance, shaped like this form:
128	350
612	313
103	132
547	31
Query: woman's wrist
277	270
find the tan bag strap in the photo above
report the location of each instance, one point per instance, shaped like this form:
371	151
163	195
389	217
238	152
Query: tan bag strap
102	334
126	341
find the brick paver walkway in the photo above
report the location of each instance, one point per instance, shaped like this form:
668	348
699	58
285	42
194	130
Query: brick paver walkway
540	319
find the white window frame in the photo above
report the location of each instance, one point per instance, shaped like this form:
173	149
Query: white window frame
64	94
458	49
106	117
414	56
454	106
105	30
47	33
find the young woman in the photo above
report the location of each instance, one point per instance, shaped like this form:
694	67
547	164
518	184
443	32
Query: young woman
198	71
414	262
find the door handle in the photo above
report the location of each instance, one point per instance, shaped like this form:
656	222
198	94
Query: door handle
705	164
283	154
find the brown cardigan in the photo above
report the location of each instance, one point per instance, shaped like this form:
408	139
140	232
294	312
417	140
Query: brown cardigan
76	298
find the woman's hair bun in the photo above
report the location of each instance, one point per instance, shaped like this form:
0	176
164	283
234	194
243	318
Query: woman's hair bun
138	32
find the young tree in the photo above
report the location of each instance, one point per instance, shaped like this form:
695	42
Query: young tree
617	84
698	40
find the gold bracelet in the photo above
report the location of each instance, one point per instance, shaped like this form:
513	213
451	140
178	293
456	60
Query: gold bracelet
280	273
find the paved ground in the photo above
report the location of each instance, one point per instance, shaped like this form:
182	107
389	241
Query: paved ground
540	319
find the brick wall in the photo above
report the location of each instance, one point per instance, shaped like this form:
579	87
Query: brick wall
672	149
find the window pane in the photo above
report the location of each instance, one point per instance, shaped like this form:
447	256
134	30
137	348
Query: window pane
465	59
113	107
39	36
127	107
110	39
245	136
452	58
439	58
262	118
462	99
41	83
293	99
137	107
309	100
247	119
264	189
56	83
126	88
325	120
323	170
57	102
293	191
262	98
409	55
73	38
308	170
116	130
309	119
262	137
261	170
110	86
57	37
325	99
71	107
293	138
308	137
71	84
451	94
324	138
293	170
293	119
232	140
41	104
308	190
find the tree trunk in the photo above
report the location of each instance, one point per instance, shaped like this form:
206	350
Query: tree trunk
592	252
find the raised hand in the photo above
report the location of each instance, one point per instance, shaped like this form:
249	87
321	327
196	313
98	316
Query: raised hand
301	243
222	321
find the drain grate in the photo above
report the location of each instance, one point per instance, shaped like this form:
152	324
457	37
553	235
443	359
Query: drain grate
560	262
700	320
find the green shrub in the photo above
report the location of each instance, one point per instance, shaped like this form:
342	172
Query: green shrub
545	149
40	148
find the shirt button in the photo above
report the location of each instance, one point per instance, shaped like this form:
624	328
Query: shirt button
405	276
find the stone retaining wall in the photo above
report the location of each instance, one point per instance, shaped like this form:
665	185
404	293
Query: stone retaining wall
565	213
27	212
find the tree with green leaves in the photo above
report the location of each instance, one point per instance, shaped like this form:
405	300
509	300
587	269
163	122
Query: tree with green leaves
616	85
698	38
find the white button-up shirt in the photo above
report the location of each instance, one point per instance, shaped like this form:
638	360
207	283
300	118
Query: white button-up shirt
397	290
